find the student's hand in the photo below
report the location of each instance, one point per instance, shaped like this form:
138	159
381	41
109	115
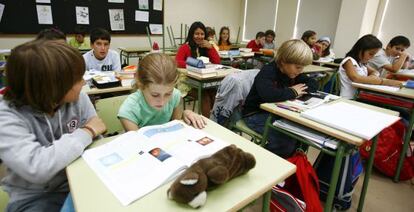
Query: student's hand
391	82
206	44
194	119
97	125
300	89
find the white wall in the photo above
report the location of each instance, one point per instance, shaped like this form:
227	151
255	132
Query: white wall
320	16
260	16
285	22
398	20
352	23
215	13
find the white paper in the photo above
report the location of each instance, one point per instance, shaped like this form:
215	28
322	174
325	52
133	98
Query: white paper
116	1
142	16
130	169
379	87
143	4
42	1
116	18
157	5
44	14
1	10
82	15
355	120
156	29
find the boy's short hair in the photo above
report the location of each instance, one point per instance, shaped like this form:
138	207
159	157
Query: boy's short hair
51	34
99	33
210	31
41	72
270	32
80	30
307	34
260	34
294	51
399	40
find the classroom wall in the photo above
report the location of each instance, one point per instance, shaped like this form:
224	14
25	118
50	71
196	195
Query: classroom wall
254	22
320	16
214	13
355	19
285	21
398	20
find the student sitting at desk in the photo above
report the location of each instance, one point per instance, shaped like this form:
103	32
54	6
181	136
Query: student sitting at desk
224	43
156	101
211	33
326	52
101	58
45	123
257	43
392	58
269	39
278	81
195	46
79	41
353	67
309	37
52	34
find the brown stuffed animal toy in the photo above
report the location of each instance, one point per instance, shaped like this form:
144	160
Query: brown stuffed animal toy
190	188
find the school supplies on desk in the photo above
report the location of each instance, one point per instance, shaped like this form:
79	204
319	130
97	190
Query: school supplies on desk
307	101
210	68
192	62
106	81
138	162
379	87
409	84
356	120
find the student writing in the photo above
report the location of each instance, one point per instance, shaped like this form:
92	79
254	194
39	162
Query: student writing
278	81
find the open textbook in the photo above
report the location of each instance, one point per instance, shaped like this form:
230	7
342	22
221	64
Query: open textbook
137	162
308	101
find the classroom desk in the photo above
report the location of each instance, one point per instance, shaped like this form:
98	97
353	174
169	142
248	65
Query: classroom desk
96	91
201	81
348	142
315	69
405	73
405	94
90	194
169	53
126	53
327	64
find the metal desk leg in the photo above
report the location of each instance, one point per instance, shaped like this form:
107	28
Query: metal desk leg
334	177
367	173
200	97
405	147
266	129
266	201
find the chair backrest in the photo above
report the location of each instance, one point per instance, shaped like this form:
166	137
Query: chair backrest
107	110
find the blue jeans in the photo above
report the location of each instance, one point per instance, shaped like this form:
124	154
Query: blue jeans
50	202
278	143
68	205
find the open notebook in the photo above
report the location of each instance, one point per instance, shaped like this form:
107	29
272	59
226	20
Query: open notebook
353	119
137	162
379	87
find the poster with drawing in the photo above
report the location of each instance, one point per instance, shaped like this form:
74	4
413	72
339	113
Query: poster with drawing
44	14
157	5
43	1
116	1
142	16
1	11
143	4
82	15
156	29
116	18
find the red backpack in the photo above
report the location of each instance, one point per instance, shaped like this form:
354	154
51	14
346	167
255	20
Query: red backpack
304	184
390	143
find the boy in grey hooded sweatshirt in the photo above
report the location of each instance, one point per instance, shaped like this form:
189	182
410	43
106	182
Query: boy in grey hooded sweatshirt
45	123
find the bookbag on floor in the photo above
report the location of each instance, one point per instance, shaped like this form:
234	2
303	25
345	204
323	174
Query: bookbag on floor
349	174
389	147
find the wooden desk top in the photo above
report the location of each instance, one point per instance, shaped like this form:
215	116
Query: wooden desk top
95	91
405	73
295	116
135	49
403	92
90	194
315	68
329	64
214	75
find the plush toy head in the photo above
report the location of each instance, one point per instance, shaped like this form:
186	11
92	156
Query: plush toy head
190	188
